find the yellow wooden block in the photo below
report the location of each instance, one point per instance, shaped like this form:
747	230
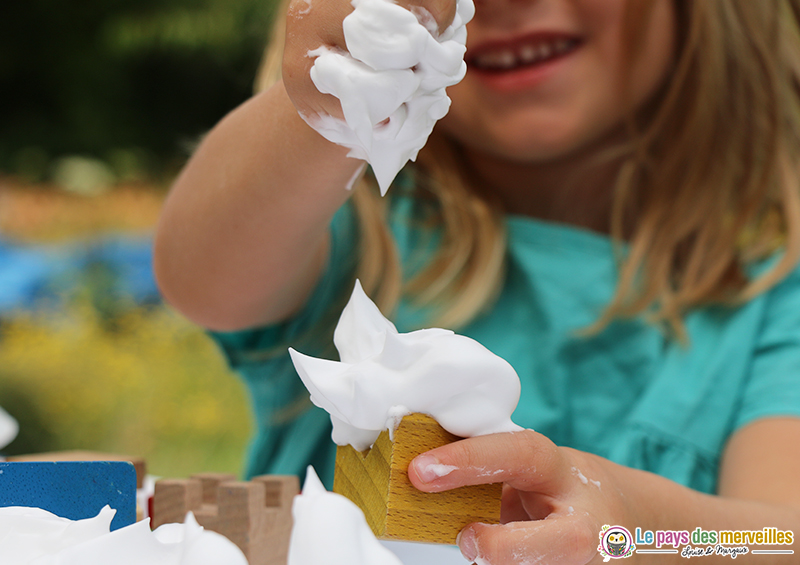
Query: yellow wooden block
377	481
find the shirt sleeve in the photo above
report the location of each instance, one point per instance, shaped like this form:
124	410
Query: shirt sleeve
302	331
773	388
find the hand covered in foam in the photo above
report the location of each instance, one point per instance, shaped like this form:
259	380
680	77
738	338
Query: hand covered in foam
330	529
384	375
390	81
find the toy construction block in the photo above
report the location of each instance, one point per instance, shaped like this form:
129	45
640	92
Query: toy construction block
137	462
71	489
255	515
377	481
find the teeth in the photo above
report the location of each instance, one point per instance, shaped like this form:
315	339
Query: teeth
500	59
525	55
528	54
507	59
545	50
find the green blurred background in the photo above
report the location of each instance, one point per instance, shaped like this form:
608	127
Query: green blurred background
103	101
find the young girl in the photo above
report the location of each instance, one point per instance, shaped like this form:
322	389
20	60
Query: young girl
612	205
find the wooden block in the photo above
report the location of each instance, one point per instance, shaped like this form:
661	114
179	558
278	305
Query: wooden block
255	515
240	511
173	498
280	491
137	462
377	481
210	482
70	489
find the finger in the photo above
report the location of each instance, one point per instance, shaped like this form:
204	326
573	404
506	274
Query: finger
517	505
442	11
511	508
524	460
310	25
567	540
322	19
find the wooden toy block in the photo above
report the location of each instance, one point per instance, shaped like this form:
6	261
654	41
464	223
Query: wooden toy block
74	490
255	515
377	481
137	462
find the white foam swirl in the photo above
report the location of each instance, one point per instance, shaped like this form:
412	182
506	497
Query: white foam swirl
330	529
384	375
391	81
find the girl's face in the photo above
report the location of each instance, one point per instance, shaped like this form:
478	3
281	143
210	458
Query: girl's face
546	77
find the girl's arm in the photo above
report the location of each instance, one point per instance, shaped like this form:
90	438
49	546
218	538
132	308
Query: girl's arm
556	500
243	235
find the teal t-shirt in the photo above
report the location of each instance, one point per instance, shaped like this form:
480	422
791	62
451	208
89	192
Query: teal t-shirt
627	393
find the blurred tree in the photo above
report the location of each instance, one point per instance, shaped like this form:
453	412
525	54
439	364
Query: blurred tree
121	79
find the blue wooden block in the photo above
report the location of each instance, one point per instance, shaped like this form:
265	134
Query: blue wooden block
74	490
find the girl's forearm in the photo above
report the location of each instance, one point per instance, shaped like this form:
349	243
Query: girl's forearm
242	238
658	505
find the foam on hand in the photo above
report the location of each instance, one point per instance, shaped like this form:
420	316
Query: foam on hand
385	375
37	537
391	81
329	528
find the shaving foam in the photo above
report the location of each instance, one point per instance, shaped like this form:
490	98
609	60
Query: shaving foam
8	428
384	375
329	528
390	81
37	537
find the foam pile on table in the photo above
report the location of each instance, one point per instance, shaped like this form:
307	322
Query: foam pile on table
330	529
37	537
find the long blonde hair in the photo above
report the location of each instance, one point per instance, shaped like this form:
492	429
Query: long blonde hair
709	182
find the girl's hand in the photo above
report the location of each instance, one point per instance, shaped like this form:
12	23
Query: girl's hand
311	24
555	500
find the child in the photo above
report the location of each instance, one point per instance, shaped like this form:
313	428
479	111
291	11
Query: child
611	205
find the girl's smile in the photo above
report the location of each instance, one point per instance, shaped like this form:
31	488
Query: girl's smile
546	78
520	63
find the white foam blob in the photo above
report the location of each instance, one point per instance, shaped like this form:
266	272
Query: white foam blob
37	537
9	428
330	529
391	81
384	375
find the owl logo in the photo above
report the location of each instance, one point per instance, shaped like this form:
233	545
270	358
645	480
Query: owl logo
616	542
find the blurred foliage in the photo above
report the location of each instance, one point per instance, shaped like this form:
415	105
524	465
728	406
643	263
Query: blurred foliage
97	371
133	83
153	386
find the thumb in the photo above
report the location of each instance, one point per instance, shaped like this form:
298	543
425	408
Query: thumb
566	540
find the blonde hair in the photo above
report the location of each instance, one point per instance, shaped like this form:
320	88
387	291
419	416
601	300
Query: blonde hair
708	183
